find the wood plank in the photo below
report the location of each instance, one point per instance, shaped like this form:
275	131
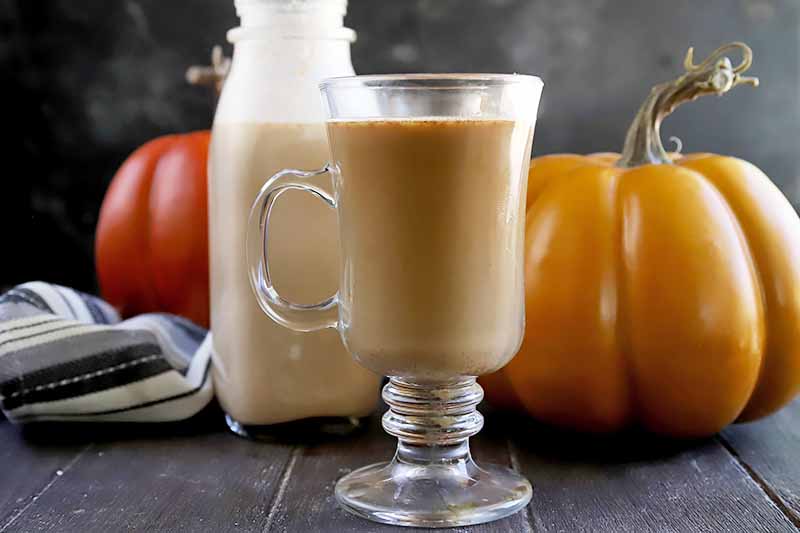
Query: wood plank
308	503
196	477
769	450
28	469
166	478
636	483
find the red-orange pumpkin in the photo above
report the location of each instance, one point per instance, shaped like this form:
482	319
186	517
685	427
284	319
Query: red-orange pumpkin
151	246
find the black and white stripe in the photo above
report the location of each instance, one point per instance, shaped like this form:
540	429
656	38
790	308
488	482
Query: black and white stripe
65	355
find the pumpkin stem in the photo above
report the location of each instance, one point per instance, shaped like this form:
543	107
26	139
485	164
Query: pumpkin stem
714	75
214	74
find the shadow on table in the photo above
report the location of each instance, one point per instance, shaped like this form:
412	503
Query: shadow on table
530	437
209	420
559	445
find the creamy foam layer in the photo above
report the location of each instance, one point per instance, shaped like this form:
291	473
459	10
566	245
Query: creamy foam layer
415	121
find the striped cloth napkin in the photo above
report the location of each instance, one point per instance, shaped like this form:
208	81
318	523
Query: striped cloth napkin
65	355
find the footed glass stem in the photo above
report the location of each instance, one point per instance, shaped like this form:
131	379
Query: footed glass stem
432	481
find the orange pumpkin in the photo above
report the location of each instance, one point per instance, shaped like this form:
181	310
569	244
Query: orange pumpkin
660	291
151	247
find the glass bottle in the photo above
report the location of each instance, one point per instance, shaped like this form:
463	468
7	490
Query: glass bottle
269	379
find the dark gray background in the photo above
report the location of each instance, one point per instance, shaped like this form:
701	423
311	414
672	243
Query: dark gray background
86	82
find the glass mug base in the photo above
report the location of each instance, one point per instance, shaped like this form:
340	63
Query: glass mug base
452	495
433	480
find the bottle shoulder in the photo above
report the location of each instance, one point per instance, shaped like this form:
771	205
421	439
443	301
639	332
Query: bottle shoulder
279	82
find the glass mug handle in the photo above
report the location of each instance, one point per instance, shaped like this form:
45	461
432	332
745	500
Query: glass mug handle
299	317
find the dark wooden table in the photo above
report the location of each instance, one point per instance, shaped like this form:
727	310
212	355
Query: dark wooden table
194	476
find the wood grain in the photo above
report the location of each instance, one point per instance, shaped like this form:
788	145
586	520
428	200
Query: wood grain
160	479
635	483
769	450
27	470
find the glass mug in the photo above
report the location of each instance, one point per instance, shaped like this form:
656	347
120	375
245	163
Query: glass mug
429	177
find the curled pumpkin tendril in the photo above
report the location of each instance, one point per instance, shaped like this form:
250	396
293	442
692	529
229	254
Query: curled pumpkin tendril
723	76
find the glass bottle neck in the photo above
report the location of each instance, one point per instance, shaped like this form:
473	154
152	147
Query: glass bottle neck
282	51
326	14
306	19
